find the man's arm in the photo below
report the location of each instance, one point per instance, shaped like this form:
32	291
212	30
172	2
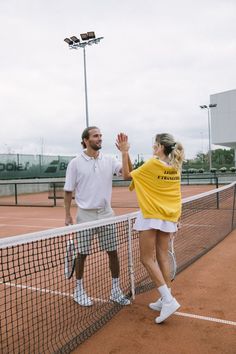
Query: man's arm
67	203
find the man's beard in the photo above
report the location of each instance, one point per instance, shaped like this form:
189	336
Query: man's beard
95	147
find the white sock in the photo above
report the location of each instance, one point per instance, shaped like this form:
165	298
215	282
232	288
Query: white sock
115	283
79	284
169	290
165	293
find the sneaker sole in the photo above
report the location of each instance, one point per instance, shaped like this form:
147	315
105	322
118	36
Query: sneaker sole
81	304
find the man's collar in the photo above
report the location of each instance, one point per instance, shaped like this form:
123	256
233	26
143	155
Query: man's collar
87	157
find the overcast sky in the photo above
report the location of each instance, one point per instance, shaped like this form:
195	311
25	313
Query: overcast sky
158	61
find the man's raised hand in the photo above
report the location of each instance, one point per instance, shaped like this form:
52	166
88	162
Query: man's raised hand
122	143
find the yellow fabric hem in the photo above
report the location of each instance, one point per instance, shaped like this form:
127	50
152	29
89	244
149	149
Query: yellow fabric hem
159	216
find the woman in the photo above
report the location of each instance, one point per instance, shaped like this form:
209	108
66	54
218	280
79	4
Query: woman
157	185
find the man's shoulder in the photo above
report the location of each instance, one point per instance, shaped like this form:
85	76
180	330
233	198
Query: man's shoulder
107	157
79	156
76	159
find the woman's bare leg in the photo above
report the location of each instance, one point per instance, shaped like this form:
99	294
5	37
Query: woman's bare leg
147	245
162	243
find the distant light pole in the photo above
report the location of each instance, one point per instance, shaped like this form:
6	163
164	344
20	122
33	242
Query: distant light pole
87	38
211	105
201	133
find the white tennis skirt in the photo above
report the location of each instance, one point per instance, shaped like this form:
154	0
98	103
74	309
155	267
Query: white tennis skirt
142	224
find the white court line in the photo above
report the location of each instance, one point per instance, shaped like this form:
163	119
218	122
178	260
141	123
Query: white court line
204	318
46	291
20	218
183	314
198	225
30	226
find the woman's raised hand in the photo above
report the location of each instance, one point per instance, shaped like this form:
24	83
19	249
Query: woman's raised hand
122	143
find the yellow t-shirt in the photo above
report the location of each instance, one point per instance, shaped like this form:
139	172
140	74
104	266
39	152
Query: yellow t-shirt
158	190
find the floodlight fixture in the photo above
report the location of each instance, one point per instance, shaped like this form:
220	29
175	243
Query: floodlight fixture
84	36
212	105
91	35
75	39
203	106
68	41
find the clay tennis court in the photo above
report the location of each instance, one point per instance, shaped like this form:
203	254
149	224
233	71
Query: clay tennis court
205	323
205	289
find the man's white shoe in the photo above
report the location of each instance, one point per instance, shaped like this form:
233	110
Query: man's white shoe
82	298
119	297
156	306
168	308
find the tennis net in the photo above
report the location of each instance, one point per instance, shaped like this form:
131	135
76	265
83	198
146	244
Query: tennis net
37	310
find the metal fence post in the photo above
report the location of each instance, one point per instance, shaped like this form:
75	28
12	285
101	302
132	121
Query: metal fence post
233	211
16	201
217	194
54	194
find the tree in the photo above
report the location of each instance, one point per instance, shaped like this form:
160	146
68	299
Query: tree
137	163
223	157
220	158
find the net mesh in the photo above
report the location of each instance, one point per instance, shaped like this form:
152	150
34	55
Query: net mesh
38	313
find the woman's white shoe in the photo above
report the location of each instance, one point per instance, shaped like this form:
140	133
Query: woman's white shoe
168	308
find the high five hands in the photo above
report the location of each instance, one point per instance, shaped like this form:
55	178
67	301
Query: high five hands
122	143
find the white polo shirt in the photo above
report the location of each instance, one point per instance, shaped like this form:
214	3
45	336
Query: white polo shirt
91	179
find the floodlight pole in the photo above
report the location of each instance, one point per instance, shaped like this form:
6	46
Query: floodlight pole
209	138
85	90
212	105
88	38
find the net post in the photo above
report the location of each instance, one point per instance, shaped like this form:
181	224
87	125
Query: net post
130	258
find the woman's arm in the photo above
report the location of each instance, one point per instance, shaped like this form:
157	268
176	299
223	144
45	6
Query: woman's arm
130	164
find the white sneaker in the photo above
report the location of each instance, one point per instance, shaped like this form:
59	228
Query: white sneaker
82	298
119	297
168	308
156	306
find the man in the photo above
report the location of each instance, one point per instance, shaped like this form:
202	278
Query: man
90	176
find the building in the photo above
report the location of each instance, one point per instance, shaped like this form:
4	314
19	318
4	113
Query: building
223	119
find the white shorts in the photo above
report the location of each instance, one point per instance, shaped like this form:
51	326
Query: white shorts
106	234
142	224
